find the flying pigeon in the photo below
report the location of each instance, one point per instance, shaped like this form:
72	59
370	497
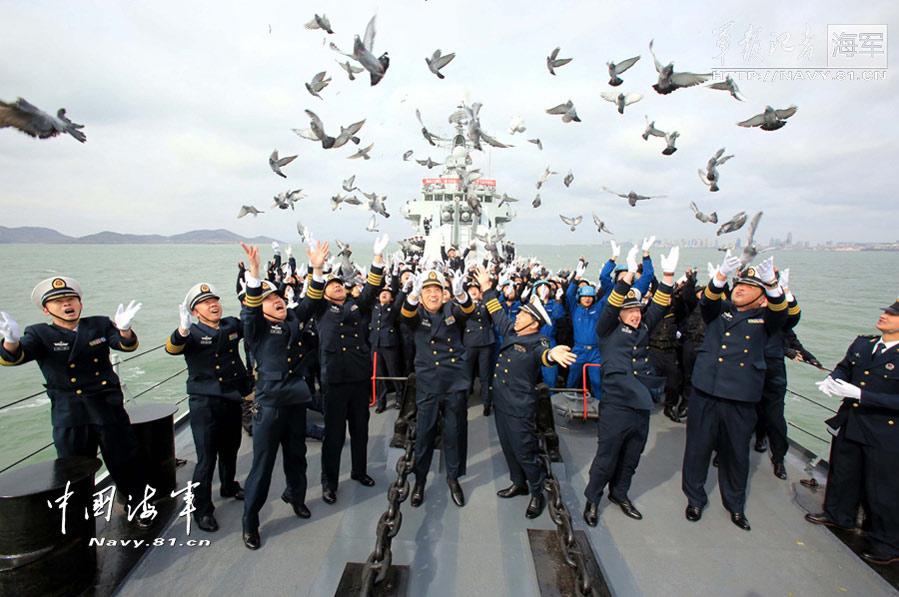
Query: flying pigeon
318	22
505	199
336	200
362	153
376	204
566	110
728	84
407	155
475	133
516	125
275	163
351	70
670	138
371	225
428	162
617	69
537	143
286	199
770	119
620	99
536	202
553	61
651	129
568	179
543	176
670	80
352	200
248	209
711	218
424	130
36	123
437	61
733	224
600	225
710	177
572	222
349	184
632	197
316	132
318	83
362	53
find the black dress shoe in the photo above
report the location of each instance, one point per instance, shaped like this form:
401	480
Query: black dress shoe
380	408
208	523
364	480
761	444
237	493
739	519
456	492
671	413
329	496
825	519
512	491
397	405
627	507
418	494
591	514
299	509
535	506
875	556
487	410
693	513
251	538
780	471
682	412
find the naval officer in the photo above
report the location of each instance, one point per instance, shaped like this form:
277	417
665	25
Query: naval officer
86	402
385	343
274	334
479	342
217	381
443	381
864	456
518	370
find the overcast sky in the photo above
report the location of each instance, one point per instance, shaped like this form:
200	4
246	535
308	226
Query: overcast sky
183	102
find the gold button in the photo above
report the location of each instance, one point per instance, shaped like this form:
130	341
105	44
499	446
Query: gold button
288	360
341	335
344	348
635	372
436	363
78	391
103	383
855	405
741	365
432	341
727	333
290	370
232	350
96	360
745	350
217	356
890	422
635	348
233	362
96	373
217	367
747	337
299	343
452	360
355	335
720	360
448	340
867	372
435	352
73	380
72	366
635	360
505	370
220	379
861	384
724	346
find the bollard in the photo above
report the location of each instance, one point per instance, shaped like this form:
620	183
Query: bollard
36	557
154	427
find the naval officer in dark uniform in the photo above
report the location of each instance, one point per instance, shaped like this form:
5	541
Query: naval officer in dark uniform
385	343
864	456
217	381
346	366
628	381
86	402
479	340
443	381
727	383
518	371
274	334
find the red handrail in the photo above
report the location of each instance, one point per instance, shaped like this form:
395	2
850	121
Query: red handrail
374	377
584	383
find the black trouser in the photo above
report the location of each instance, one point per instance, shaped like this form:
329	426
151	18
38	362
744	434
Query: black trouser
346	404
688	359
770	410
622	433
454	408
274	426
726	426
388	366
858	472
518	439
215	423
120	450
664	363
479	360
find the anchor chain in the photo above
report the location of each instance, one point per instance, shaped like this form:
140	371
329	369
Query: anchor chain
560	515
375	569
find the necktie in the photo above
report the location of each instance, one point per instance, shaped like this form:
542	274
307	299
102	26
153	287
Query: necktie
878	350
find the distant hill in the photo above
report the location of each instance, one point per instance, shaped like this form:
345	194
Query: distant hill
46	236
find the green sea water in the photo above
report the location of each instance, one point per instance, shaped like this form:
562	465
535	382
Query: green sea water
841	294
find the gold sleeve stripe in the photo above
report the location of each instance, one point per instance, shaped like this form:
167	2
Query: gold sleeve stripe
6	363
545	359
661	298
777	306
315	293
467	308
309	279
407	313
709	294
616	299
493	306
794	310
253	301
173	348
375	279
131	347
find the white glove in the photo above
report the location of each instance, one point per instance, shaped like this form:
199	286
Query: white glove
124	316
559	294
632	260
275	247
307	234
381	244
524	294
289	295
616	249
712	270
9	329
459	286
579	271
847	390
669	263
729	265
289	252
184	313
416	285
543	292
535	271
647	243
410	281
827	385
785	278
765	271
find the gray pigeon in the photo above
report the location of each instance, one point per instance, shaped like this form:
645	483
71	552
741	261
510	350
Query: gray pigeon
711	218
536	202
617	69
348	134
572	222
302	231
316	132
376	204
407	155
475	133
336	200
536	142
553	61
424	130
544	175
566	110
318	22
770	119
318	83
733	224
286	199
437	61
710	177
632	197
362	53
352	200
505	199
651	129
362	153
728	85
36	123
371	227
248	209
600	225
349	184
621	99
276	164
351	70
568	179
428	162
750	251
670	80
670	138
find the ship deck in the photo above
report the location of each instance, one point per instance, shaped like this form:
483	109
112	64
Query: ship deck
483	548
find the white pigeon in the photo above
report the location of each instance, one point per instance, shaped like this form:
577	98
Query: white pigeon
438	61
621	99
276	163
516	125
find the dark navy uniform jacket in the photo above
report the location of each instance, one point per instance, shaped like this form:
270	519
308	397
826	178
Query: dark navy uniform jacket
478	328
342	333
280	354
439	352
873	420
518	365
81	382
382	329
730	362
626	373
774	349
214	366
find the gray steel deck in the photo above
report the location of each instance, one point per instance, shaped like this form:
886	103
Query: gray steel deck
483	548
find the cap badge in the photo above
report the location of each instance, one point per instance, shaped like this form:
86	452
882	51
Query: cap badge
750	272
204	288
890	366
58	283
432	276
